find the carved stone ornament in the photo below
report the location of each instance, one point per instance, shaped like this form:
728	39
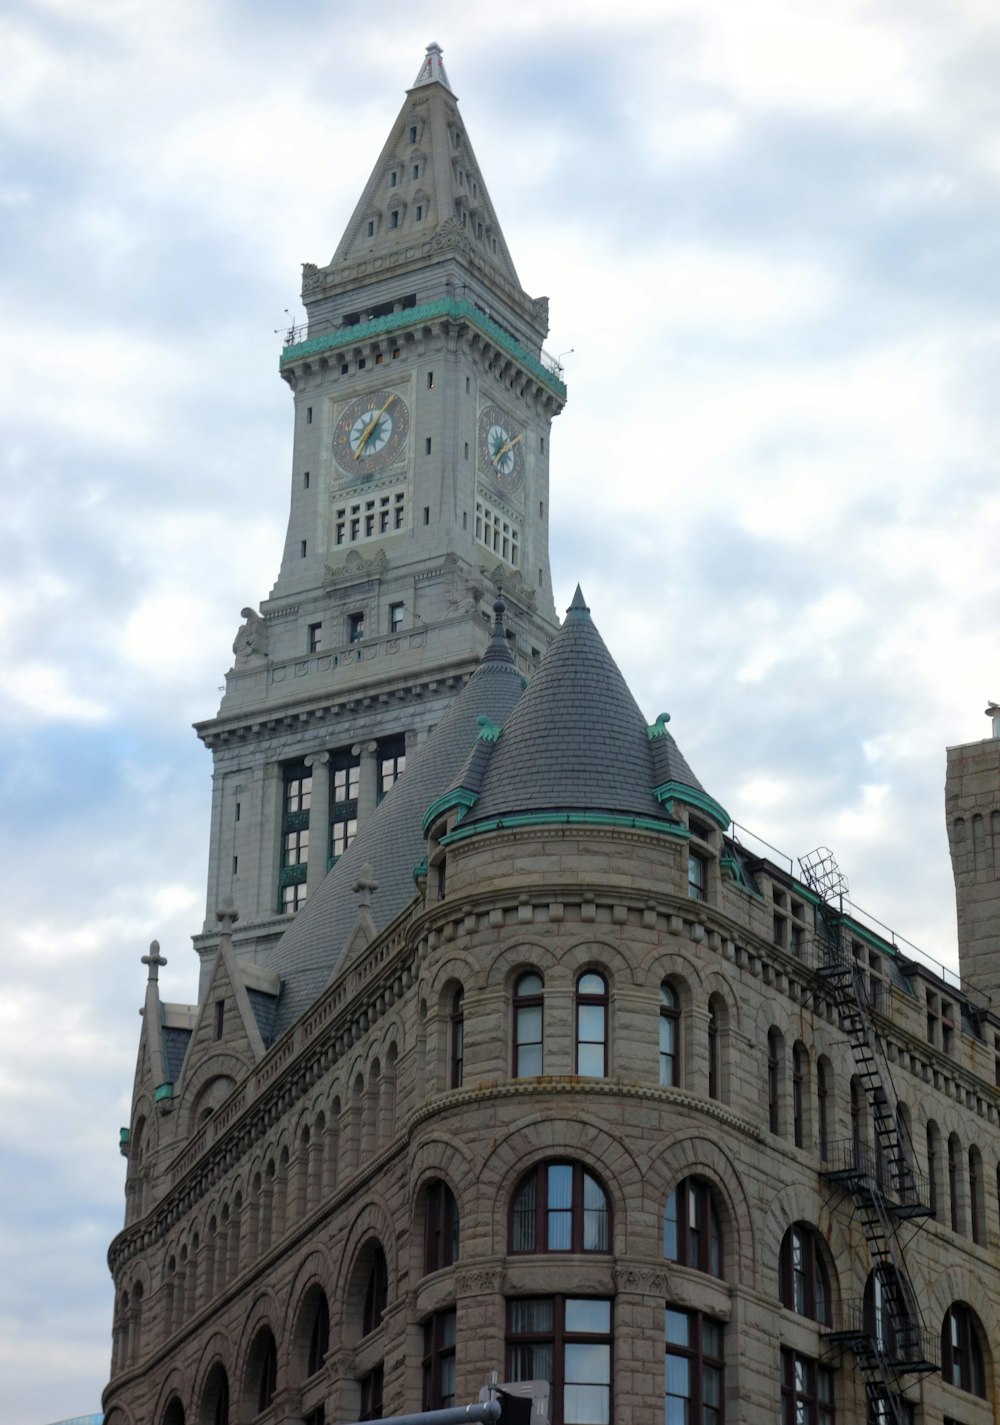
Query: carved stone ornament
312	278
647	1281
451	234
479	1281
251	638
355	567
468	585
512	583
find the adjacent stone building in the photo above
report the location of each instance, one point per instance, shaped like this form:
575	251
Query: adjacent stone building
508	1051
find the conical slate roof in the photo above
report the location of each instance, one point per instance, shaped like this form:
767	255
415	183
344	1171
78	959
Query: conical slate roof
426	181
576	741
391	842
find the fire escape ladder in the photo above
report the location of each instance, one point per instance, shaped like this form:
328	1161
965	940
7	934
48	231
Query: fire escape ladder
885	1333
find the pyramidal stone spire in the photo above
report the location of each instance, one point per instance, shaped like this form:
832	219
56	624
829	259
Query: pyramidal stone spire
432	70
426	184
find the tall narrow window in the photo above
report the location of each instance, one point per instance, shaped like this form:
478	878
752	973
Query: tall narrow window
798	1094
457	1056
319	1336
693	1375
592	1025
372	1388
714	1066
774	1058
266	1354
691	1233
857	1124
697	876
933	1161
345	783
961	1353
823	1107
439	1361
376	1293
806	1391
566	1341
294	836
976	1221
804	1285
396	615
560	1207
955	1216
355	627
528	1025
441	1234
670	1022
391	763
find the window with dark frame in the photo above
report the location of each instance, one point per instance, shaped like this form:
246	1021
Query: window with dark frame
319	1335
823	1108
932	1168
592	1025
391	753
803	1280
457	1067
396	615
355	627
953	1204
961	1353
670	1027
376	1293
976	1195
529	1021
560	1207
693	1375
267	1371
798	1094
692	1236
774	1058
372	1389
438	1365
566	1341
697	876
345	784
296	799
714	1054
441	1227
315	637
806	1390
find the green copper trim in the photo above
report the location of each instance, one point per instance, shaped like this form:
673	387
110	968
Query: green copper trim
730	866
568	818
460	797
690	796
420	871
165	1091
488	731
658	728
396	321
123	1137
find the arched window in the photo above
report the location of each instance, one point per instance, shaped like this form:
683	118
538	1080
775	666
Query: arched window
691	1233
800	1062
933	1167
528	1025
319	1335
592	1025
887	1317
215	1401
174	1413
441	1226
857	1124
714	1048
376	1293
457	1056
803	1279
560	1207
823	1106
954	1206
262	1371
961	1351
977	1219
775	1068
670	1035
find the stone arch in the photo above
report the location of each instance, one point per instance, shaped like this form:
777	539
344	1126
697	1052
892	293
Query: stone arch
441	1155
798	1203
673	961
314	1275
582	1140
216	1354
372	1222
218	1064
715	983
514	960
694	1154
173	1388
594	952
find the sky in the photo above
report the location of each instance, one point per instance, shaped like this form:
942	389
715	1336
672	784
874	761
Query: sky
769	236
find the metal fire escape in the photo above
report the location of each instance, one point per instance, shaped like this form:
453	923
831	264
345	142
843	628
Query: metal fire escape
884	1329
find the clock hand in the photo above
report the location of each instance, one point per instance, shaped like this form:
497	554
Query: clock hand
374	422
508	445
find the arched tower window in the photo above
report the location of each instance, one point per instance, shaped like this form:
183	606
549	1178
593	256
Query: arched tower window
692	1236
670	1036
962	1362
457	1055
528	1025
560	1207
376	1293
592	1025
803	1278
441	1226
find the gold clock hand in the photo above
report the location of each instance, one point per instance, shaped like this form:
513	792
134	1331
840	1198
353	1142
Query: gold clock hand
374	422
508	445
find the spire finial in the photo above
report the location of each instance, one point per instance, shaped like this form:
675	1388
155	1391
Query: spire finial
579	604
154	960
227	915
498	648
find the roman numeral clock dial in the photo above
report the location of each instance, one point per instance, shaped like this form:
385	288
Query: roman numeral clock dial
501	449
370	434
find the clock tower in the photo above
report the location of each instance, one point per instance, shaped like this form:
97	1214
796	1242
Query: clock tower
419	487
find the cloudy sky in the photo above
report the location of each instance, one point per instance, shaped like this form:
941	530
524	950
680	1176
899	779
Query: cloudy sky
769	234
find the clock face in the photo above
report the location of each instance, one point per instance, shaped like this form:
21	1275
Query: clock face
371	432
501	449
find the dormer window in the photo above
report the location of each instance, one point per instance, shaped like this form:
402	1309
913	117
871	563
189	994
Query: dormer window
412	135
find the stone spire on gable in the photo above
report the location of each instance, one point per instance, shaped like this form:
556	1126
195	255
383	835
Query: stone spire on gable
425	183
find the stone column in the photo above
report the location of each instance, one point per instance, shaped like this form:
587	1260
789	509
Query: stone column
319	820
368	781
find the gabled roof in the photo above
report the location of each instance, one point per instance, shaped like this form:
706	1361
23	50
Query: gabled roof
449	190
392	841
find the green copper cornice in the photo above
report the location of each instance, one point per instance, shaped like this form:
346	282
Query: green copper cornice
568	818
669	792
458	797
165	1091
396	321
